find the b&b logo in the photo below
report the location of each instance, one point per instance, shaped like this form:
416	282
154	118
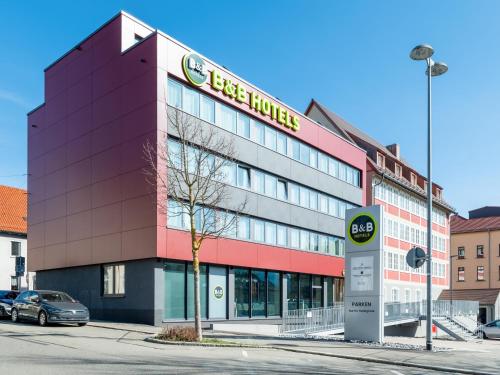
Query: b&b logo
195	69
362	228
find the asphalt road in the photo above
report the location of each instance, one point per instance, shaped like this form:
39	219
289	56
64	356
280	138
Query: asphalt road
28	348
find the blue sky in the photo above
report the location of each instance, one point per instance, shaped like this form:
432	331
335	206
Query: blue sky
352	56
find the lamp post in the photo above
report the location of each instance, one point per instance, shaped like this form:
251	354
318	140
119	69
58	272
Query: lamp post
451	283
434	69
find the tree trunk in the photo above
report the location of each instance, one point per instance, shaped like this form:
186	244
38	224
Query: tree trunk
197	307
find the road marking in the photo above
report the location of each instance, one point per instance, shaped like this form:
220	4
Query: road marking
244	353
397	372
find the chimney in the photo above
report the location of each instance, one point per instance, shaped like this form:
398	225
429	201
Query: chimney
394	149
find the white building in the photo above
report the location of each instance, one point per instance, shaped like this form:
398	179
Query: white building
13	238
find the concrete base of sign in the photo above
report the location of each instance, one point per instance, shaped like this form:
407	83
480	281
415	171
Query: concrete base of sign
359	322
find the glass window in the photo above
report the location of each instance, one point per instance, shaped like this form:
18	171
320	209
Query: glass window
282	190
241	292
258	182
313	200
270	138
258	293
461	252
294	238
317	290
281	143
191	102
313	242
174	153
322	243
227	118
343	172
304	196
313	162
329	291
243	177
305	292
292	291
174	94
293	193
295	149
243	125
270	185
257	132
305	155
273	294
281	235
342	207
333	167
304	240
243	231
174	290
333	207
15	248
480	273
229	172
270	235
203	291
258	229
323	203
207	109
322	162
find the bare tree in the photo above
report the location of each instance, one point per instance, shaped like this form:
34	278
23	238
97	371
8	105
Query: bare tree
189	173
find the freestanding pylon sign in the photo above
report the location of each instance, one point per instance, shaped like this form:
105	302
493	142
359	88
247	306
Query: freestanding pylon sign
364	262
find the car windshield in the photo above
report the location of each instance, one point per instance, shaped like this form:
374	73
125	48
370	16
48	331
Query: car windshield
56	297
7	294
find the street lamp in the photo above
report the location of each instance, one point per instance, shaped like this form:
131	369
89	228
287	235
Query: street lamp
424	52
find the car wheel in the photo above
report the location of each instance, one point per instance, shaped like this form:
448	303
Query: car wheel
483	335
82	324
42	318
14	316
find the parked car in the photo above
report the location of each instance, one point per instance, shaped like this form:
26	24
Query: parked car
7	298
48	306
490	330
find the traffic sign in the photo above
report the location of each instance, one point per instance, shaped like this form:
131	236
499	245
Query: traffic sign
416	257
20	266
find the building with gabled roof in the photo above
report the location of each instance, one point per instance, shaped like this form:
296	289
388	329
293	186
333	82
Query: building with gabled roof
402	191
475	259
13	234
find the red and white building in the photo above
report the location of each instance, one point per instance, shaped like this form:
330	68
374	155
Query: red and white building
394	184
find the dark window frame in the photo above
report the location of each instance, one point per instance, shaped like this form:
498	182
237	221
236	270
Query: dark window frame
480	247
15	245
458	252
477	274
458	274
114	294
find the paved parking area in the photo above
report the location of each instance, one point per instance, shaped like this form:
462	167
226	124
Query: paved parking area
28	348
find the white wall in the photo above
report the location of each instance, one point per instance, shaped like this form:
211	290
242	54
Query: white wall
8	262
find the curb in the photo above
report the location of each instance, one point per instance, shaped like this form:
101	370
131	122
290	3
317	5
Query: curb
95	324
215	345
387	362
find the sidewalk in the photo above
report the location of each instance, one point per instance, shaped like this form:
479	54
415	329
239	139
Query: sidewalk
465	357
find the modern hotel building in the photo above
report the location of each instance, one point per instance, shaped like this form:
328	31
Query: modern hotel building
94	226
394	184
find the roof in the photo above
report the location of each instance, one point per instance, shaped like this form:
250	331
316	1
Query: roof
459	224
483	296
13	209
355	135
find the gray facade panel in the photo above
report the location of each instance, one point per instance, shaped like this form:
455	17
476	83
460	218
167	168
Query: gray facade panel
258	156
85	284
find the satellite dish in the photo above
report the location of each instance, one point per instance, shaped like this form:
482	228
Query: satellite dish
416	257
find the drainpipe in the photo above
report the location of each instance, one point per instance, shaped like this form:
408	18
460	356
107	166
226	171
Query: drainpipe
489	258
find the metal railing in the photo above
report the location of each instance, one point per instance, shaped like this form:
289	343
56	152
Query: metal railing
323	319
304	321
